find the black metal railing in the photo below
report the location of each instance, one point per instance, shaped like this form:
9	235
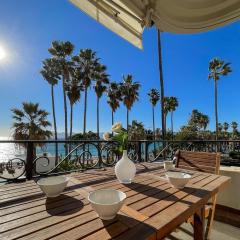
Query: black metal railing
39	158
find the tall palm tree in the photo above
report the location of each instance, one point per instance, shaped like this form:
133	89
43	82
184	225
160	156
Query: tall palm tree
154	97
114	97
73	89
161	83
51	74
130	93
173	104
234	126
166	108
86	62
220	127
62	52
217	68
225	126
101	81
30	123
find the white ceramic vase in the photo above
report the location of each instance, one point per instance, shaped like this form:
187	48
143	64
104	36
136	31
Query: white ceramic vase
125	169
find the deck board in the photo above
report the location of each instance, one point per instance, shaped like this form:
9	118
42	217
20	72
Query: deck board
152	208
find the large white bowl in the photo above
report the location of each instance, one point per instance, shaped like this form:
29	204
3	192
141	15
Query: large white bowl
106	202
178	179
53	186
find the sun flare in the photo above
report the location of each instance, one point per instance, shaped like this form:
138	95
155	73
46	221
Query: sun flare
2	53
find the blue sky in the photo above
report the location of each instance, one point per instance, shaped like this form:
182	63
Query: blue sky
28	27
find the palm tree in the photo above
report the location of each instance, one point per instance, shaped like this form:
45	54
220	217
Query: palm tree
161	84
217	68
173	104
61	52
234	126
101	81
154	97
30	123
114	97
129	91
52	75
137	131
220	127
86	63
225	126
203	121
166	108
73	89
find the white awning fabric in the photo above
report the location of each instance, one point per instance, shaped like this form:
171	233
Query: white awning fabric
115	16
128	18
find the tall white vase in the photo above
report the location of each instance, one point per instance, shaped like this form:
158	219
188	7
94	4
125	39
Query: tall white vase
125	169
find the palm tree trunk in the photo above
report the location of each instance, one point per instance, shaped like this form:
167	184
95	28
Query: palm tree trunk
65	114
165	120
216	108
85	111
54	124
127	118
154	137
84	121
153	121
98	117
161	83
71	126
172	123
112	117
71	120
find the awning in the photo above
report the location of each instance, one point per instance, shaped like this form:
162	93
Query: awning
115	16
127	18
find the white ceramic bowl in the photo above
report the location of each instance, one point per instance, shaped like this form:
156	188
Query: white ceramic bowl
106	202
53	186
178	179
168	165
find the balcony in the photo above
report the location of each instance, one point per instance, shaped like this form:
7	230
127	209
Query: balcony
33	159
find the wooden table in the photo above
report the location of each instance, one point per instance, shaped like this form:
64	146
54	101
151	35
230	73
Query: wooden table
152	210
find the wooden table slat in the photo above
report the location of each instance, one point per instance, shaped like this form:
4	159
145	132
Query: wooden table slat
152	208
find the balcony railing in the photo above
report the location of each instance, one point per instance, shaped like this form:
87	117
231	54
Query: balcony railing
29	159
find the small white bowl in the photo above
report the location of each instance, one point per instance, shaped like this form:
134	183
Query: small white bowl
178	179
106	202
53	186
168	165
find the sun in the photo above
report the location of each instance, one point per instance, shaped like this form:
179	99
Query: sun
2	53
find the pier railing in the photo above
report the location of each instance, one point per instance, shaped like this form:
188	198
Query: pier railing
29	159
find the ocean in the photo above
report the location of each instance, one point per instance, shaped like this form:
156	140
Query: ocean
10	150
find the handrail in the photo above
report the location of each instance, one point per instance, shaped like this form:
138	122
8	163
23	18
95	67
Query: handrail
161	152
100	153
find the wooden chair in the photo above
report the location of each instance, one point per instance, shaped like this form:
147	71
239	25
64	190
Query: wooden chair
203	162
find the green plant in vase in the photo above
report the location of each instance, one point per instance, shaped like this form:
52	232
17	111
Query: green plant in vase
125	169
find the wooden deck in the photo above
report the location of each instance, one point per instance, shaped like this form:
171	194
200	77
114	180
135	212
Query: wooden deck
152	209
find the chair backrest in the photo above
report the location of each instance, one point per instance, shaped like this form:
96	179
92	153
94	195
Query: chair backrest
198	161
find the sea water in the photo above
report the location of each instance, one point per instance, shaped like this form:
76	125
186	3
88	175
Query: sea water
11	150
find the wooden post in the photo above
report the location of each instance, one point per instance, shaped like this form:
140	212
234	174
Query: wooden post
199	224
29	160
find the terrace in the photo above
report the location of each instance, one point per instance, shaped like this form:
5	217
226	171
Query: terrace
100	156
133	183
